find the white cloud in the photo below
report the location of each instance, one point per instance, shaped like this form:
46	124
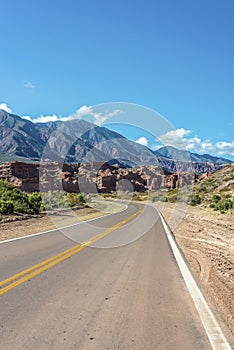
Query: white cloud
98	118
81	112
5	107
46	118
142	141
179	139
27	117
29	85
174	138
42	118
225	147
182	132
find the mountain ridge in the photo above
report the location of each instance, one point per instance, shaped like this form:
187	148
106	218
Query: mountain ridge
80	141
171	152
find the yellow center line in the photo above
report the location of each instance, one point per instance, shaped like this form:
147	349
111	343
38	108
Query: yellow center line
47	264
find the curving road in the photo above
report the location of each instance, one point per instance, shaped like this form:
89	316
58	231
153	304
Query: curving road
110	284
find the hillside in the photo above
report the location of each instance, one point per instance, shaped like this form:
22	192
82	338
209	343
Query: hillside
170	152
70	142
78	141
216	190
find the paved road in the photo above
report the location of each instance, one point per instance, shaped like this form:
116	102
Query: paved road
129	296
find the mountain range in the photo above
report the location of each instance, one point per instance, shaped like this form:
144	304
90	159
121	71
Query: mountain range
80	141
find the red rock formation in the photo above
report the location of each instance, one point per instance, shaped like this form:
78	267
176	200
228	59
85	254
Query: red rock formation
91	178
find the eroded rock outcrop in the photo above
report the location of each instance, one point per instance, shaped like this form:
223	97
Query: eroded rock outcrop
91	177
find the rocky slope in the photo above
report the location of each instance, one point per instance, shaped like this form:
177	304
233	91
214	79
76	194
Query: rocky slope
70	142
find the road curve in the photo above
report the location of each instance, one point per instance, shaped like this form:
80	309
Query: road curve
129	296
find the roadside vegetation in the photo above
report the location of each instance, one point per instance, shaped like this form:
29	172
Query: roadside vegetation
13	200
216	192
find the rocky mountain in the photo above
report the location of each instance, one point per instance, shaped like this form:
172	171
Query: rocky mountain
71	142
78	141
170	152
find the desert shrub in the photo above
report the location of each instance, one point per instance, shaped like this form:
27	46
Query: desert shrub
54	200
216	198
6	207
224	204
158	197
108	195
172	195
203	188
137	196
74	199
195	199
35	202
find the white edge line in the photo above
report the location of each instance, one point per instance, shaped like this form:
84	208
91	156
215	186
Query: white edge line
60	228
213	330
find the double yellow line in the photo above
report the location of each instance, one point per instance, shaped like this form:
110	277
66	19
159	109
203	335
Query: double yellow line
35	270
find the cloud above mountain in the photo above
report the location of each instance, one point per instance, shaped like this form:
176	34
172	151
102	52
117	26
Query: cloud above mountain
184	139
5	107
97	118
142	141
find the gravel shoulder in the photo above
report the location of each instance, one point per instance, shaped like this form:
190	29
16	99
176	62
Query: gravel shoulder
207	241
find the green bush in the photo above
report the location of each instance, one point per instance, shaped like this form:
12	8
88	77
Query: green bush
35	201
195	199
137	196
6	207
74	199
172	195
14	200
216	198
224	204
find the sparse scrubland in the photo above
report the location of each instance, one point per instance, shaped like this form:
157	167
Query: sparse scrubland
216	191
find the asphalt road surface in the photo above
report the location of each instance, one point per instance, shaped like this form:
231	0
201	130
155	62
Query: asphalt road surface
110	284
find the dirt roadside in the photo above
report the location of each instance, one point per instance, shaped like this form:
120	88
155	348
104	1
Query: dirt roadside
19	226
23	225
206	238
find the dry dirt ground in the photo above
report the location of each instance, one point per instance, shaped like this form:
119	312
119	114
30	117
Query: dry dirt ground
206	238
22	225
18	226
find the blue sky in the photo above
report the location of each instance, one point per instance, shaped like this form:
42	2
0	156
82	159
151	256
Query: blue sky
175	57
